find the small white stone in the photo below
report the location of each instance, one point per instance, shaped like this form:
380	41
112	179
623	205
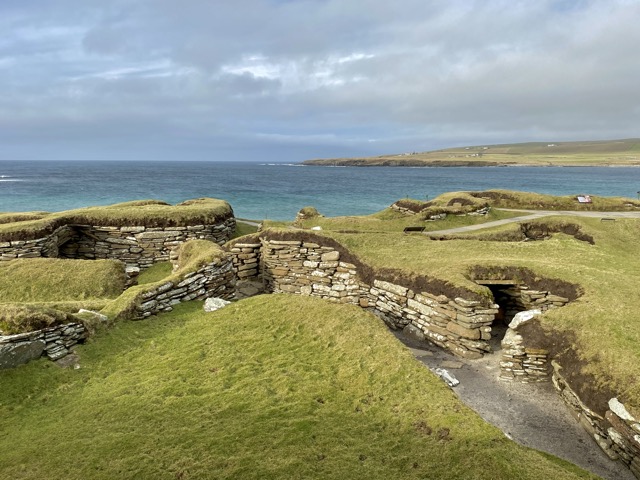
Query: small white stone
619	409
447	377
99	316
316	228
523	317
212	304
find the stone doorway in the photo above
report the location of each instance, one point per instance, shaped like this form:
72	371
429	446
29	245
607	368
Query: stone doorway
505	294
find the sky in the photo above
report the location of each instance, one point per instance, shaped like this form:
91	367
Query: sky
290	80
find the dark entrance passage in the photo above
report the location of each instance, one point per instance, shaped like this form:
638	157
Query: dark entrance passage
506	295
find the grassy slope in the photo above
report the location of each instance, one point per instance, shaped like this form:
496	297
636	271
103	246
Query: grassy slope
610	152
40	292
271	387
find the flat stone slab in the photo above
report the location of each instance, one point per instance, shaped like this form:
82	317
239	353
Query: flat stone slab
421	353
451	364
14	354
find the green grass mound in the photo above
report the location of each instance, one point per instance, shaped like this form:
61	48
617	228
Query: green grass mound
32	280
21	318
271	387
463	202
388	221
149	213
43	292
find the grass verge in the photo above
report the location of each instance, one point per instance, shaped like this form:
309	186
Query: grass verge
271	387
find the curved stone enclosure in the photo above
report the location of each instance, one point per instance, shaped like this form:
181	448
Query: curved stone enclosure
137	246
317	266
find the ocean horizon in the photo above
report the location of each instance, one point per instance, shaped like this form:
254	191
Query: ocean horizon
259	190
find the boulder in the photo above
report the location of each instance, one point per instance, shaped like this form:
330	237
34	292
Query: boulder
14	354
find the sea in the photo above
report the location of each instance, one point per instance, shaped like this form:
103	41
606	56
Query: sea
277	191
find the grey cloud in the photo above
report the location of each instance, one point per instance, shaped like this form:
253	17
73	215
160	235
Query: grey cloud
199	78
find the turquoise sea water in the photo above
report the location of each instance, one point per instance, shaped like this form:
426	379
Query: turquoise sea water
278	191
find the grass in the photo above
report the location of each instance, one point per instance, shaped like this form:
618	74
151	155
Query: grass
155	273
604	320
524	200
389	221
599	153
243	229
271	387
150	213
33	280
42	292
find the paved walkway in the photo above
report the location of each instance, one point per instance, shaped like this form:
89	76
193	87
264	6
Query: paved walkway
532	215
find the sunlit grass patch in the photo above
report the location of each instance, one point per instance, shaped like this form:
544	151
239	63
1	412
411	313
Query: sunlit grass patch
272	387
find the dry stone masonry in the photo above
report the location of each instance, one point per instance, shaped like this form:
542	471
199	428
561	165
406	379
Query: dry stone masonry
314	267
617	433
308	268
246	258
138	247
518	298
216	279
519	361
54	342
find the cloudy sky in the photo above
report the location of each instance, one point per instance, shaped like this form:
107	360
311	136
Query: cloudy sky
287	80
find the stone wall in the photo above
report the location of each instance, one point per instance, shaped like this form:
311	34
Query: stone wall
617	433
246	259
519	298
54	342
216	279
308	268
520	362
137	246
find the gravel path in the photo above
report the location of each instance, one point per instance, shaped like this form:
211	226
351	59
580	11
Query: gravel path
533	415
532	215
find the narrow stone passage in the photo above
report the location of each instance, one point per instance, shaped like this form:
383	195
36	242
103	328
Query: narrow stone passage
533	415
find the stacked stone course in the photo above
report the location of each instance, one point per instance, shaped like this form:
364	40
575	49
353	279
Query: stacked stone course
246	257
518	298
138	247
54	342
617	433
216	279
520	362
308	268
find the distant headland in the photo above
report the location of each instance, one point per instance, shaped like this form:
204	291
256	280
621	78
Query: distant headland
602	153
